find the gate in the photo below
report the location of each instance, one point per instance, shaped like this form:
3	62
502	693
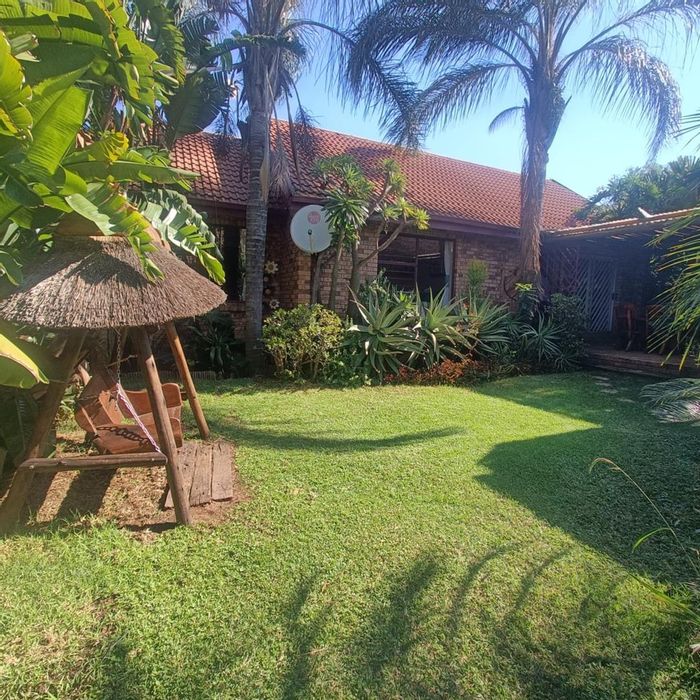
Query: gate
597	289
590	278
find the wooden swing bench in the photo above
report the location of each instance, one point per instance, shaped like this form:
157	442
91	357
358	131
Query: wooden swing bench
102	410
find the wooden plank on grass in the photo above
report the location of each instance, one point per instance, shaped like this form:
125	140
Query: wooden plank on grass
222	472
200	492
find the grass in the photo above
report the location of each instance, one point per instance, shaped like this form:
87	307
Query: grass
401	542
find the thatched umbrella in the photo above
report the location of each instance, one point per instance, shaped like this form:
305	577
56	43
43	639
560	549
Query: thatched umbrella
97	282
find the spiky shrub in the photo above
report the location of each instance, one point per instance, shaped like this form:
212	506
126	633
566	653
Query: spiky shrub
302	340
439	330
487	328
211	341
385	338
538	345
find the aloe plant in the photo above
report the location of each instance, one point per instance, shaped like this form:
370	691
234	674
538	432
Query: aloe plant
385	338
439	329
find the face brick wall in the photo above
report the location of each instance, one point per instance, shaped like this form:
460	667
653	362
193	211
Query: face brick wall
500	255
291	284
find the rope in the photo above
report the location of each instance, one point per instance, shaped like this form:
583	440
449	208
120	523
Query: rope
125	399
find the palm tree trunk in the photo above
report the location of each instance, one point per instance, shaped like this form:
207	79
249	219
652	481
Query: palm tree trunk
542	117
534	175
256	232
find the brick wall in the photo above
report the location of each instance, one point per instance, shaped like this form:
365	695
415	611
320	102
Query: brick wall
500	255
291	284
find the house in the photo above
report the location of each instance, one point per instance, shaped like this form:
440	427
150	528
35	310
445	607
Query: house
474	214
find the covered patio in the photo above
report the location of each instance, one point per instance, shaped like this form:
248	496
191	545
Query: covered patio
610	266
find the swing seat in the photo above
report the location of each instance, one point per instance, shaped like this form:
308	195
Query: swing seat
101	414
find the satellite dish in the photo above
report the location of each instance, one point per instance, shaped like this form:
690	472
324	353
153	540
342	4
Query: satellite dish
309	229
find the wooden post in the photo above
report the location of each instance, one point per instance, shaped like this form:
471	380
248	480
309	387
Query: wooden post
166	439
184	370
22	480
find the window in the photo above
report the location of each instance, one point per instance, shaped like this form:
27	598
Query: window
412	262
231	243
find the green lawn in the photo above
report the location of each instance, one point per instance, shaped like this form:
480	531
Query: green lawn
400	542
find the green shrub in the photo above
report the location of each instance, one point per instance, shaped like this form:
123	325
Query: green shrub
343	370
569	318
213	346
527	302
301	340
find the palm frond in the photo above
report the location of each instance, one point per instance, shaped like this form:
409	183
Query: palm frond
625	78
674	401
690	126
459	92
504	117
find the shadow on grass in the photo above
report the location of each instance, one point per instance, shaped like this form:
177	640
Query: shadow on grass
303	637
267	438
409	649
432	631
551	476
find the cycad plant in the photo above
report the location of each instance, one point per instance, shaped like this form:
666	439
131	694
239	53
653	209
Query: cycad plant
471	49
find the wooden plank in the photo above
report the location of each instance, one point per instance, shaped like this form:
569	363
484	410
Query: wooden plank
200	493
84	462
222	472
188	455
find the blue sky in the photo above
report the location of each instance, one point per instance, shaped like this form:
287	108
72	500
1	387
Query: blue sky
589	147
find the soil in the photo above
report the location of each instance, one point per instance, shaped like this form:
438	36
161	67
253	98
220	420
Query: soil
131	498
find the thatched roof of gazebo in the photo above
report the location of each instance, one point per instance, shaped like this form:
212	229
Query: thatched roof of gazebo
98	282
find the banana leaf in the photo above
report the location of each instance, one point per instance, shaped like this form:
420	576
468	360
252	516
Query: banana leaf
17	368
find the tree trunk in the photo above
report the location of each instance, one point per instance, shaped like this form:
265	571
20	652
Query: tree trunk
256	231
321	259
534	175
543	114
354	280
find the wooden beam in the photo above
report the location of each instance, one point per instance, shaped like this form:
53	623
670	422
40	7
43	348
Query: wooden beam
166	439
22	481
184	370
40	465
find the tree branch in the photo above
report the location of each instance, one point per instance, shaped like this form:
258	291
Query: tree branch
380	248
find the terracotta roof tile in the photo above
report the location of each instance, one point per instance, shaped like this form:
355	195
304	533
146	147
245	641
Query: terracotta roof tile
446	187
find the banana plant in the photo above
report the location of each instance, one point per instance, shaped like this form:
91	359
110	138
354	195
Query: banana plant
17	368
80	83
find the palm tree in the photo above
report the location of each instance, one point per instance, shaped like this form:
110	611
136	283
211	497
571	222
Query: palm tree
469	49
273	37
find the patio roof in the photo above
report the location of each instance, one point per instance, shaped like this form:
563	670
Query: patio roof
456	194
622	229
